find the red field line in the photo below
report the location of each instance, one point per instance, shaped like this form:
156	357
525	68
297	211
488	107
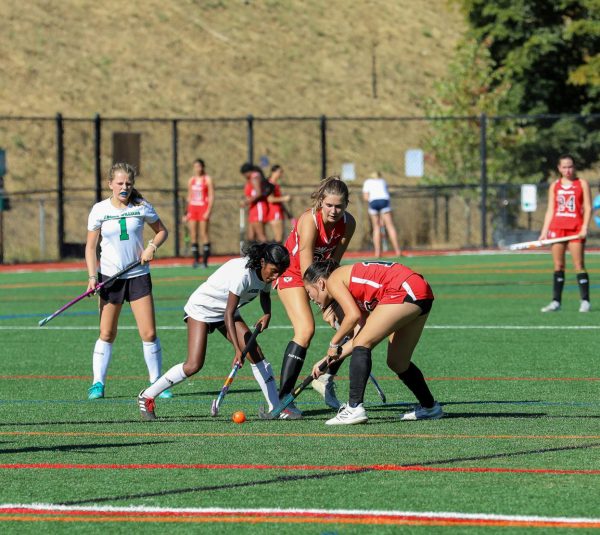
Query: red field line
292	467
32	514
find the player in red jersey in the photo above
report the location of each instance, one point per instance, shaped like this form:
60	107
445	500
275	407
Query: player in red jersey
256	201
390	301
200	199
277	209
569	213
321	233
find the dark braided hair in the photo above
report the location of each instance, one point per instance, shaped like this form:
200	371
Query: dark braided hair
271	252
320	270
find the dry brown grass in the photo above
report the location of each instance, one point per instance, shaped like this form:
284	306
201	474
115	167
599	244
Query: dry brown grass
186	58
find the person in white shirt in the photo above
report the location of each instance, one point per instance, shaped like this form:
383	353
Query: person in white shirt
215	306
375	192
119	221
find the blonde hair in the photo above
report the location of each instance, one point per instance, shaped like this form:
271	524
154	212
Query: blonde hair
136	197
332	185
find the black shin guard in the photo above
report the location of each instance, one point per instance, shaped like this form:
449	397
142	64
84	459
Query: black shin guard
360	368
195	252
293	360
414	380
584	286
205	253
557	287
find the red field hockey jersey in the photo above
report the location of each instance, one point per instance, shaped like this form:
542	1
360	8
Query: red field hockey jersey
568	206
370	280
198	191
325	243
275	207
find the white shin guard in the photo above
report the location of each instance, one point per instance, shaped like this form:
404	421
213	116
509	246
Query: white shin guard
263	373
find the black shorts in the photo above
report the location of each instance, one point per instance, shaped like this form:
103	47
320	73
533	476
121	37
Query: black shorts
121	290
424	304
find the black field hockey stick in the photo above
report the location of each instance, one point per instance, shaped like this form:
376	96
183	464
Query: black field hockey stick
285	402
377	387
43	322
214	410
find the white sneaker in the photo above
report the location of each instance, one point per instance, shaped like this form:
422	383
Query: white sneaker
348	415
325	386
422	413
585	306
554	306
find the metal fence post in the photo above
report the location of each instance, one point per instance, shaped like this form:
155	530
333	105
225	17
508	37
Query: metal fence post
60	175
483	156
250	137
323	126
97	155
175	143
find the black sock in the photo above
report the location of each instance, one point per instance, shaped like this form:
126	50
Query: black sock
584	286
414	380
205	253
293	359
360	368
195	252
334	367
557	288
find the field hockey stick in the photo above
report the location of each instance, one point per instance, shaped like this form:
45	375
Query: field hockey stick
540	243
214	410
377	387
43	322
285	402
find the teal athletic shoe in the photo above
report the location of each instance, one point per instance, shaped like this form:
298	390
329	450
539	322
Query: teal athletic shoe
165	394
96	391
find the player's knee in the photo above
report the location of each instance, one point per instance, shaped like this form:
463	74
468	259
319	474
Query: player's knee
397	365
148	335
304	335
108	336
191	368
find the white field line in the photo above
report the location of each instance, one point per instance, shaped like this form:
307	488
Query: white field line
299	512
434	327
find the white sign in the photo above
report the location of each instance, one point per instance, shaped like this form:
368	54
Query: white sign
414	163
348	172
528	197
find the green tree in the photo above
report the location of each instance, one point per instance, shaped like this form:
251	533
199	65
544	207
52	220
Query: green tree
547	54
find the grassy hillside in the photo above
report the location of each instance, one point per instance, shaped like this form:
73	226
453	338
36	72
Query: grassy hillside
222	57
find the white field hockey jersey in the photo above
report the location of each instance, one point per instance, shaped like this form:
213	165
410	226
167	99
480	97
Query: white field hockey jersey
209	301
376	188
122	234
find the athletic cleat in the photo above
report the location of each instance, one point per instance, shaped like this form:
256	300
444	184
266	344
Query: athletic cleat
423	413
325	386
291	412
585	306
96	391
554	306
348	415
146	406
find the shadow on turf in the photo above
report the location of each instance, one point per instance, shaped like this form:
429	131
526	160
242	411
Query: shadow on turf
211	488
81	448
294	478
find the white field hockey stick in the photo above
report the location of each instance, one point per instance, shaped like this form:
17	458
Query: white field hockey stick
214	410
540	243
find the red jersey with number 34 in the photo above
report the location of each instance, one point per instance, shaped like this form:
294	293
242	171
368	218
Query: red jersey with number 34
568	206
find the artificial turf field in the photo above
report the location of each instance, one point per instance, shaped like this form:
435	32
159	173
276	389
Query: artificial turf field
518	450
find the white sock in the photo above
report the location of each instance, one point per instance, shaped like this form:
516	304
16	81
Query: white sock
173	377
101	360
153	358
263	373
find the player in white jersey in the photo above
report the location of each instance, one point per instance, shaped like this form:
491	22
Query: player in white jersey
119	221
215	306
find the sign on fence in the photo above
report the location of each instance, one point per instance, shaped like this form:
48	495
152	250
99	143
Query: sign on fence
528	197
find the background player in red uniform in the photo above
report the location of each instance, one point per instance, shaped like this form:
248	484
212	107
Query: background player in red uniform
569	213
277	208
256	195
397	302
320	233
200	199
